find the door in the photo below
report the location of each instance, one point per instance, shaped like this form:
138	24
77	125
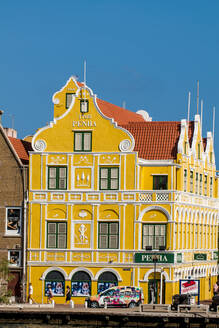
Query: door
153	293
14	285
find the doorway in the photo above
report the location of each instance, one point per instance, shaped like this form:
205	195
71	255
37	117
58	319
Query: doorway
14	285
154	295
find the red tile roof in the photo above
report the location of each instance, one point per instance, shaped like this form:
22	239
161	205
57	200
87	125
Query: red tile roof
21	147
119	114
155	140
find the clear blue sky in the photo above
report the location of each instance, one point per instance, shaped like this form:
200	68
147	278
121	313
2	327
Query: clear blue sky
148	53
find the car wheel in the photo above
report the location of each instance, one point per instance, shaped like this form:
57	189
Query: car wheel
132	305
94	305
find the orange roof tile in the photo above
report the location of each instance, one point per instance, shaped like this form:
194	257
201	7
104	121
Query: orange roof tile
21	147
155	140
119	114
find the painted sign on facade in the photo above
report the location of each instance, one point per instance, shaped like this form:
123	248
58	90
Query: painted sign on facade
151	258
200	257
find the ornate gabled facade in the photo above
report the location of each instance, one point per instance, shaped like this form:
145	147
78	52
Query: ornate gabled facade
114	199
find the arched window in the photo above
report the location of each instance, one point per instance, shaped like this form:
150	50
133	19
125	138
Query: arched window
81	284
106	280
56	280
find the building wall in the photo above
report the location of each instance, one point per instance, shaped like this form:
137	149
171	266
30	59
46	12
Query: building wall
82	207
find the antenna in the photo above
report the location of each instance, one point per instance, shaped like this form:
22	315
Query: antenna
213	122
85	72
201	113
197	95
189	99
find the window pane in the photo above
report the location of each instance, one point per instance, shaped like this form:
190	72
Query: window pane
69	97
114	184
145	229
62	227
52	172
62	172
84	106
104	173
151	229
113	228
113	241
87	141
104	184
78	141
162	230
104	228
52	183
62	241
114	173
62	183
52	241
51	227
103	241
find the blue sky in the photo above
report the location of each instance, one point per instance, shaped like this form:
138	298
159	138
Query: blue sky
148	53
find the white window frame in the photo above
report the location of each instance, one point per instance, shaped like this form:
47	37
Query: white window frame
15	232
18	264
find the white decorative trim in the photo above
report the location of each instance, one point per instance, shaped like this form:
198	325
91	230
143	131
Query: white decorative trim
40	145
147	274
116	273
157	208
80	269
43	277
126	145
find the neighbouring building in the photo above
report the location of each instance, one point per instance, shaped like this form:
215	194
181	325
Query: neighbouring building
115	199
13	208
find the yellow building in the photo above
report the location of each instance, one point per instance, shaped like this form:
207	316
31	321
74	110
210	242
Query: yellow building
117	199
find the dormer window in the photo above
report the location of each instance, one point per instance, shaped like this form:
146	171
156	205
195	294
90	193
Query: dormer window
68	100
84	106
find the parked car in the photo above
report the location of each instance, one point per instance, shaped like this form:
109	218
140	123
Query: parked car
117	296
215	302
180	299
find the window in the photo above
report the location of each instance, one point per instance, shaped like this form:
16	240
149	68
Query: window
108	235
56	234
196	183
106	280
13	221
57	177
211	187
191	181
82	141
185	180
84	106
69	97
200	184
154	235
160	182
56	282
206	185
199	151
14	258
109	178
81	284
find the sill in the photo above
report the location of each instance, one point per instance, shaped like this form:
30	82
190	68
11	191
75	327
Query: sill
12	236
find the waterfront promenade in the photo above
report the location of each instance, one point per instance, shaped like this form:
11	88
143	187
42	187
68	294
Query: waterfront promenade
64	316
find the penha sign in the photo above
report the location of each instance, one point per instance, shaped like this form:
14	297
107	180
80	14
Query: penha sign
150	258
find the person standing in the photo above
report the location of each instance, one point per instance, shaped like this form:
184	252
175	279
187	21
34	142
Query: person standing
68	295
216	288
50	295
30	296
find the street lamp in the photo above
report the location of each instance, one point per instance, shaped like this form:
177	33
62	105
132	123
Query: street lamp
155	260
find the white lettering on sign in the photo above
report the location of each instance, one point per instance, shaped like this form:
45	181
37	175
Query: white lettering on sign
86	124
149	258
85	116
